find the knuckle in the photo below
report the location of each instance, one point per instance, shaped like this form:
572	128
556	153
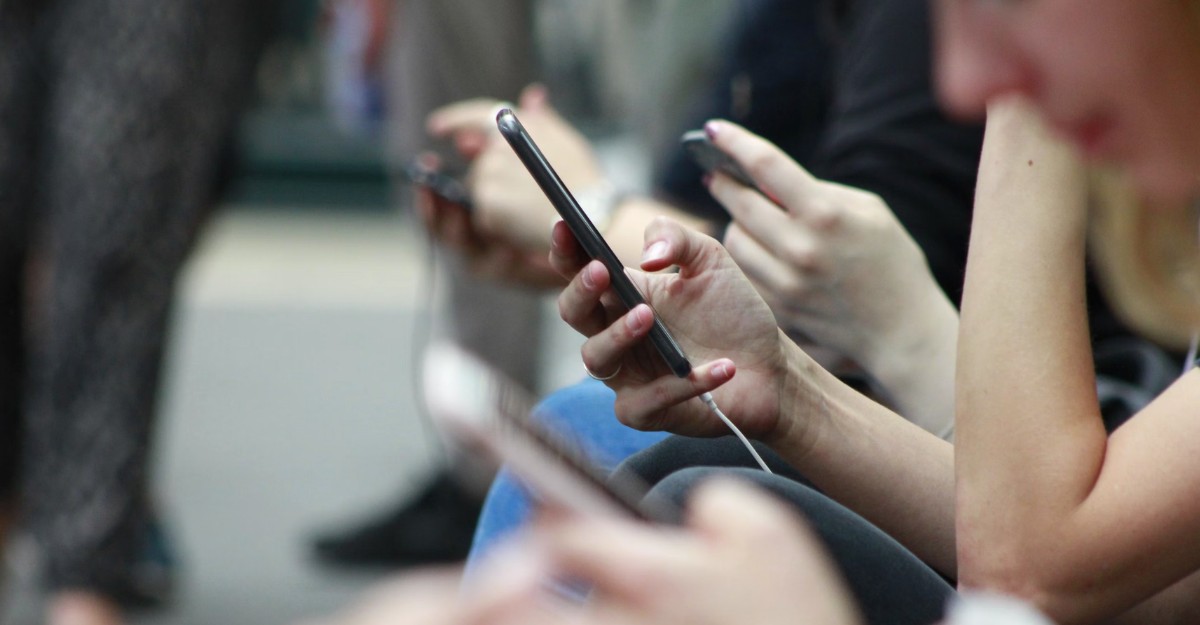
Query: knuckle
662	396
573	310
870	198
802	257
626	413
759	163
566	311
826	217
589	360
793	289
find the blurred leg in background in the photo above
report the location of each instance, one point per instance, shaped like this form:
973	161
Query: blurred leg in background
443	51
123	108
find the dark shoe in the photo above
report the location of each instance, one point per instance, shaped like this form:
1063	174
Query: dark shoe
433	527
153	579
150	583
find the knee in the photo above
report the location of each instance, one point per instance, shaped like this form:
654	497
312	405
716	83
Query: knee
586	399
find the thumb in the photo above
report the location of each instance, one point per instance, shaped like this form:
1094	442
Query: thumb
534	98
669	243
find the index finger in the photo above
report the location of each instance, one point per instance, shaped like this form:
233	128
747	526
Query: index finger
763	221
776	173
566	254
467	115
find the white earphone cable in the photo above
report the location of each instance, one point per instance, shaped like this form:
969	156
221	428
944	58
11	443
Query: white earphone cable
707	398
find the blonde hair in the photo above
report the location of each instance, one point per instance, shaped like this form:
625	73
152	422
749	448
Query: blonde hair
1147	260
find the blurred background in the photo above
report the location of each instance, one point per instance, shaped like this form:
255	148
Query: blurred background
288	401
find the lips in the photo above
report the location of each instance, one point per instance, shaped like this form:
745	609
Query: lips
1094	136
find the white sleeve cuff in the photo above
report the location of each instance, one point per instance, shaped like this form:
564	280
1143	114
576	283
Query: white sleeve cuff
984	608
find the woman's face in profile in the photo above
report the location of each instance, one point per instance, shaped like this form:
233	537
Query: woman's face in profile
1118	78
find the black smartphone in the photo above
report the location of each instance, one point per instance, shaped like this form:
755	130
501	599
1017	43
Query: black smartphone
587	234
442	184
711	159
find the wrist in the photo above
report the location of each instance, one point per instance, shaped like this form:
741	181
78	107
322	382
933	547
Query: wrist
915	363
987	608
800	398
600	201
926	328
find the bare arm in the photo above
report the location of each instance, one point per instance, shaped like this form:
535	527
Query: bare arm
1048	507
889	470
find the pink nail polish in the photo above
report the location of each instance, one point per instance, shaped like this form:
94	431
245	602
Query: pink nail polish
711	129
588	280
636	320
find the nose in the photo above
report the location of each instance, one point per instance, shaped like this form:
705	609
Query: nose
973	65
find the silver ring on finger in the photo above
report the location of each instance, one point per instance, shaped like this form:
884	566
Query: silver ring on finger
602	378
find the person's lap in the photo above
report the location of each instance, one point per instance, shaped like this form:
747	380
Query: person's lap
890	583
581	414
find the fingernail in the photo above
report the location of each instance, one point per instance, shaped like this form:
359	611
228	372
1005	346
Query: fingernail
657	251
588	280
711	129
721	371
636	320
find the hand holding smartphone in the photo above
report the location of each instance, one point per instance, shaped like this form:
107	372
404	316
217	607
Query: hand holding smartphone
441	184
712	159
586	233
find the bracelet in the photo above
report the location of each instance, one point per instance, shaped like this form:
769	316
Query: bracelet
986	608
600	201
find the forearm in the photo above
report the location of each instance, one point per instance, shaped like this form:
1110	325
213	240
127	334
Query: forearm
916	365
871	460
625	233
1029	439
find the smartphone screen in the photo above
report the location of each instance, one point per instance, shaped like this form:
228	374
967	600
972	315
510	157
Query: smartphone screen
485	412
587	234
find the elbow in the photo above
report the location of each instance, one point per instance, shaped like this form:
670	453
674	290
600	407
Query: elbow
997	566
1019	568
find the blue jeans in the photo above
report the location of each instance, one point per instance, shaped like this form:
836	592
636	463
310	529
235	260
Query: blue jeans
583	415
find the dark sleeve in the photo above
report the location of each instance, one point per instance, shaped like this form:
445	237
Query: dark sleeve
775	81
887	134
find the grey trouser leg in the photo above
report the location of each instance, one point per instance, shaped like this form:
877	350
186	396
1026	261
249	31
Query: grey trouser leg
449	50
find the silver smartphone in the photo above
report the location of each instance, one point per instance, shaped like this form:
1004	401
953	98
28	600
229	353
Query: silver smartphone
711	159
486	413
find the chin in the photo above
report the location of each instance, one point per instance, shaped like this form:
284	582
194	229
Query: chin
1166	182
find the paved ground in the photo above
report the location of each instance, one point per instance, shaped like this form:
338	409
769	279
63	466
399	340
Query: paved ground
288	408
288	404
